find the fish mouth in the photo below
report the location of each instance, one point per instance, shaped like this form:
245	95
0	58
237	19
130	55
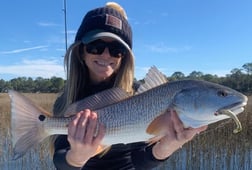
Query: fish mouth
236	108
231	111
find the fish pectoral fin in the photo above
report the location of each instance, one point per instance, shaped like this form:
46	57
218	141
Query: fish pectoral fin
157	126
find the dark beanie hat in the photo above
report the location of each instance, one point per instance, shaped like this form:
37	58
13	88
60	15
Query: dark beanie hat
105	22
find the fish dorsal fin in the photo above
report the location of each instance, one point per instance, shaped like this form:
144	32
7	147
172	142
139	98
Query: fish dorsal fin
97	101
152	79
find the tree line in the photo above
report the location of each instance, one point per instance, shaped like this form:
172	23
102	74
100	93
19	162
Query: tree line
29	85
239	79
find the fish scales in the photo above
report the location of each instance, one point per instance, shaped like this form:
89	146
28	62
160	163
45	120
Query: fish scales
57	125
125	121
132	116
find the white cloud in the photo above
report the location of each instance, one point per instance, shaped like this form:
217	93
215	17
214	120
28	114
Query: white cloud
47	24
35	68
162	48
23	49
71	32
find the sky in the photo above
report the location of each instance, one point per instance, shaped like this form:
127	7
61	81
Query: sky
210	36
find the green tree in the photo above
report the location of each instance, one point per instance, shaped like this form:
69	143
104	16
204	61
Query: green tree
236	79
195	75
2	85
211	78
57	84
248	68
177	75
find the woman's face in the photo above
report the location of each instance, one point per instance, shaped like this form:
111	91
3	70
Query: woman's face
99	60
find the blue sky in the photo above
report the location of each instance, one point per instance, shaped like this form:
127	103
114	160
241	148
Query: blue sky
211	36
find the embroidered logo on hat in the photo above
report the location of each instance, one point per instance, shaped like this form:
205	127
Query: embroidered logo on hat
113	21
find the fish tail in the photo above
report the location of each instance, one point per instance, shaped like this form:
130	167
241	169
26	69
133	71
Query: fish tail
26	123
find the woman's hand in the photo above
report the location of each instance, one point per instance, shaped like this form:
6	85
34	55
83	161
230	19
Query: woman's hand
84	136
176	136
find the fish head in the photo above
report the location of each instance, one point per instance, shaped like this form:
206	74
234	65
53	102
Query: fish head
202	103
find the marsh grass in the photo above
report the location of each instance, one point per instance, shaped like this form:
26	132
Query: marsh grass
216	148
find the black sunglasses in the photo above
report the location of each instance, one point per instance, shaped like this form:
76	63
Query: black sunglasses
115	48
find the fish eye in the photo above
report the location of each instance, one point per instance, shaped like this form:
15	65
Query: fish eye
222	93
41	117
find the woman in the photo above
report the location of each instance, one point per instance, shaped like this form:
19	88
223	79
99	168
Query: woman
101	58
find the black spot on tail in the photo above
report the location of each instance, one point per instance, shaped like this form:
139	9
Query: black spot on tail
41	117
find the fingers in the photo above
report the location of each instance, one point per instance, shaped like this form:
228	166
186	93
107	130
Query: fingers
189	133
82	125
85	135
85	128
177	123
92	126
77	128
72	126
176	136
100	134
183	133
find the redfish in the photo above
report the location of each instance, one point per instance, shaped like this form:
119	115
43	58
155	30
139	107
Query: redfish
130	118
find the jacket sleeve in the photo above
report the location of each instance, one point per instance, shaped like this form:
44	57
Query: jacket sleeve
59	158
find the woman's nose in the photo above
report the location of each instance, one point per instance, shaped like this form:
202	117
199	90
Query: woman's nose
106	53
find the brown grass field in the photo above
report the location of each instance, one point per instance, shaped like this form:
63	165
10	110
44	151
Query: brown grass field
44	100
209	144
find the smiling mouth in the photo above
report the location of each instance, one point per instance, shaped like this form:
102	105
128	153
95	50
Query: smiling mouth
104	64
